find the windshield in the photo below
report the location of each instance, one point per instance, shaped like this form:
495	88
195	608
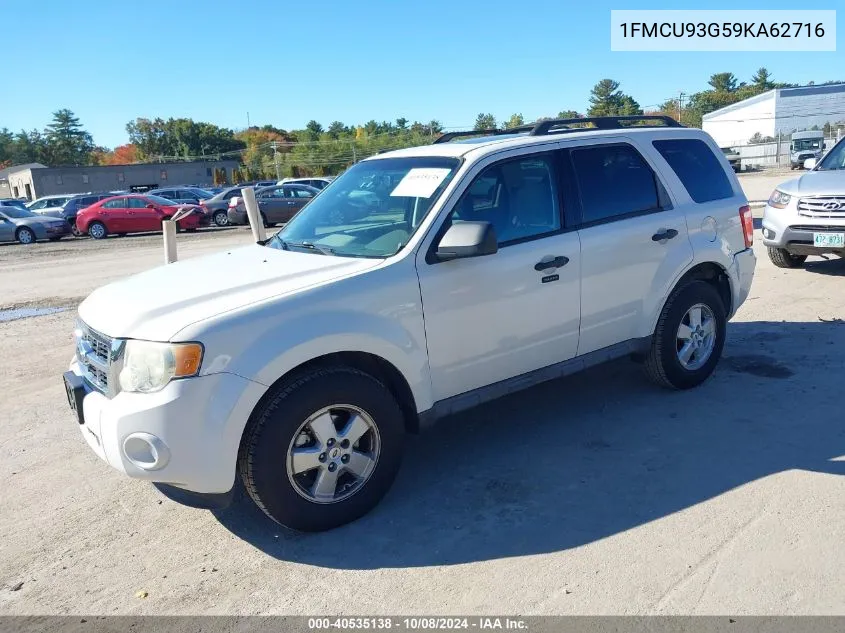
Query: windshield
164	202
835	158
371	210
806	144
17	213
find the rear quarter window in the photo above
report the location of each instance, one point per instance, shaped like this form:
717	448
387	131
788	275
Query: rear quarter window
697	168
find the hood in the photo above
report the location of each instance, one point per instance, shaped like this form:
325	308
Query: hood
38	219
816	183
156	304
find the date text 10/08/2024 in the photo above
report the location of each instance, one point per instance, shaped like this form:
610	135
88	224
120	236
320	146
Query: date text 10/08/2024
417	623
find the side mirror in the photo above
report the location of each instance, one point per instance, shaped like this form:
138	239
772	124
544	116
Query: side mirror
810	163
151	206
467	239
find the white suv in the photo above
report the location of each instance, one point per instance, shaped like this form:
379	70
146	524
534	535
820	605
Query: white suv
420	282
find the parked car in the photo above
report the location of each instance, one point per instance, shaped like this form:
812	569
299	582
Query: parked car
135	213
298	365
806	216
734	158
276	204
218	205
19	224
182	195
70	209
316	182
12	203
48	204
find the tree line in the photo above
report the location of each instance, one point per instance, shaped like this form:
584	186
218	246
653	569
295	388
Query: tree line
268	151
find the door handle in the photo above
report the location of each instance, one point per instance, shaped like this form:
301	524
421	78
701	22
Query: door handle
557	262
664	234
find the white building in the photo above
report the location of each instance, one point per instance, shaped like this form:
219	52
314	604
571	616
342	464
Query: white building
779	111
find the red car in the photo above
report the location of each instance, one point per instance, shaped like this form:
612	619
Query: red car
135	214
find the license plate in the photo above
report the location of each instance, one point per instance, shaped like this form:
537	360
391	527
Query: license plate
829	240
75	393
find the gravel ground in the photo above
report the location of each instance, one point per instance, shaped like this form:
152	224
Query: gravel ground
598	494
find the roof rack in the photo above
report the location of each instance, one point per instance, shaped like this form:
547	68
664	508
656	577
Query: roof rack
448	136
542	128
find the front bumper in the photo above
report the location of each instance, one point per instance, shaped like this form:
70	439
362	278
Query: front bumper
784	228
187	435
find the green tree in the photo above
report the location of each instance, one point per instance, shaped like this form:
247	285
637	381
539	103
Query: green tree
515	121
313	129
67	141
762	80
336	129
723	82
607	100
485	122
568	114
402	123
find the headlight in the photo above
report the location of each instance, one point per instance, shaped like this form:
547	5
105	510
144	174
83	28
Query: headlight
148	366
779	199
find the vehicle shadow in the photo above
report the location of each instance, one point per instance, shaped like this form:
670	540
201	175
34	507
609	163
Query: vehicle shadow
579	459
834	266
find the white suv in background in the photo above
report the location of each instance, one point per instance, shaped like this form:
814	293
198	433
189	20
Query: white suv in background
421	282
806	215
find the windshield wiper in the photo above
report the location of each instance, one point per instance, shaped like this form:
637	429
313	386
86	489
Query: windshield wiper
325	250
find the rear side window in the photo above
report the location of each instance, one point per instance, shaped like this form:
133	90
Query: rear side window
613	181
697	168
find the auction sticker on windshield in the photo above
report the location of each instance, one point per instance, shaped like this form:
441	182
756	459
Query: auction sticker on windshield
420	182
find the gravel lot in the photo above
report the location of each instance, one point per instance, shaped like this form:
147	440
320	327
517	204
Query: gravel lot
598	494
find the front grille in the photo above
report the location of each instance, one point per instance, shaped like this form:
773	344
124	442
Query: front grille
94	353
822	207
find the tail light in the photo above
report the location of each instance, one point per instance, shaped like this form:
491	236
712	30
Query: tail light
747	225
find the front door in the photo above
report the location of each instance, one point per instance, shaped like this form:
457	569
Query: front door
144	218
632	242
494	317
7	229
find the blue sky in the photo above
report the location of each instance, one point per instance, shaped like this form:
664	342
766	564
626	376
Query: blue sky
287	62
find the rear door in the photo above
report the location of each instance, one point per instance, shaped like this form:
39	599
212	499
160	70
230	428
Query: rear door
115	215
7	228
273	204
633	240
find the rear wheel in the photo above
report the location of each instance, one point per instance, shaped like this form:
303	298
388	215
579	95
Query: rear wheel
97	230
689	337
323	449
221	218
25	235
782	258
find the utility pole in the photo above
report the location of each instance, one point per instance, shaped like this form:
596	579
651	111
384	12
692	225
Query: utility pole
354	155
680	105
247	120
276	162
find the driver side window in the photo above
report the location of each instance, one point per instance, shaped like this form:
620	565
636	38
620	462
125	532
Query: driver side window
518	197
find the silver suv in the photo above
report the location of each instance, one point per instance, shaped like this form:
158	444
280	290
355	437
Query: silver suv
806	215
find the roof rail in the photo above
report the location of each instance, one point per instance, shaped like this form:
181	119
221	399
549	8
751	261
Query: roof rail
542	128
448	136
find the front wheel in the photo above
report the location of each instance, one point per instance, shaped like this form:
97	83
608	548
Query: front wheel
782	258
689	337
323	449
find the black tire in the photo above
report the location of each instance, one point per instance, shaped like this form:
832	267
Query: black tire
121	234
76	232
221	218
54	239
25	235
266	224
662	364
273	426
95	233
782	258
191	230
